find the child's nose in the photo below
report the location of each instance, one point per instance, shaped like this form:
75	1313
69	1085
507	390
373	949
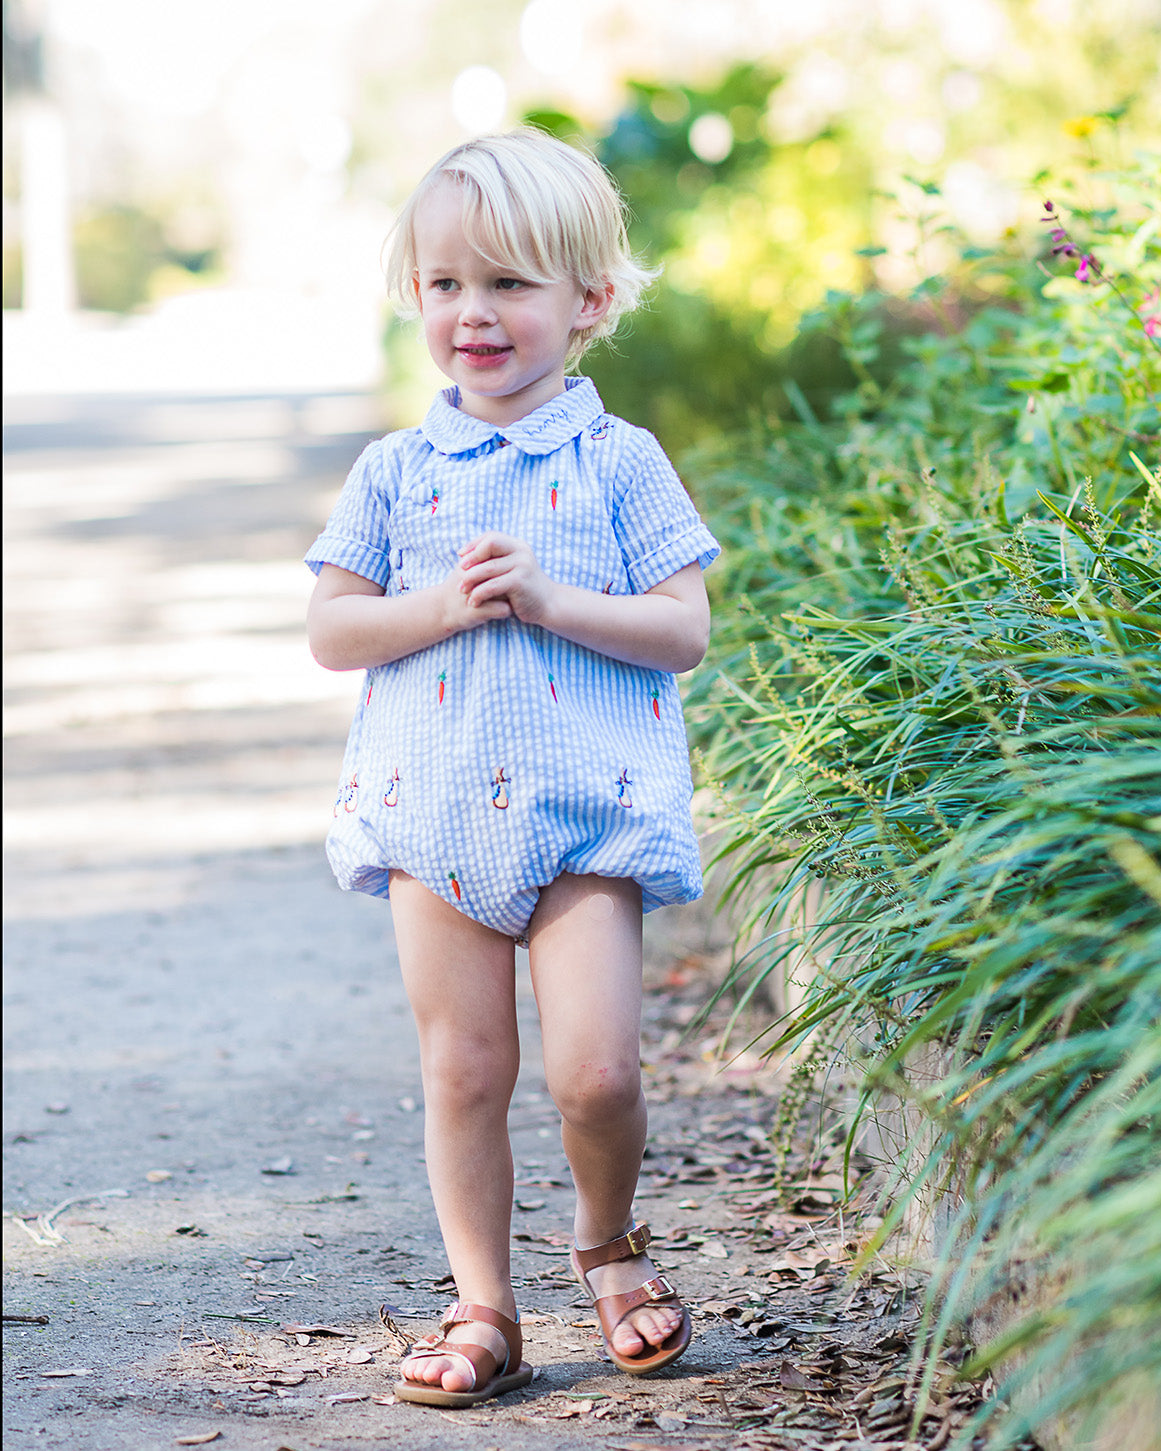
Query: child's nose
476	308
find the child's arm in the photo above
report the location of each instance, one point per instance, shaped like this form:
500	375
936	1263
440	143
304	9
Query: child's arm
666	628
353	625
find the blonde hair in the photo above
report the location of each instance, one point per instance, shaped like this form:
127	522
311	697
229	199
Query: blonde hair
547	210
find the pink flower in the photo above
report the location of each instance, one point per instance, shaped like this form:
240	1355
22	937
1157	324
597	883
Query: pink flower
1089	268
1151	313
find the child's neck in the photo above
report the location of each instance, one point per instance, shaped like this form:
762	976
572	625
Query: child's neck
511	408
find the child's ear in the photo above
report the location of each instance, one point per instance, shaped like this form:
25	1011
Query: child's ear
415	289
595	303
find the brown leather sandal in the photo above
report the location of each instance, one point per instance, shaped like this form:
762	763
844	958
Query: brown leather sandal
490	1378
612	1309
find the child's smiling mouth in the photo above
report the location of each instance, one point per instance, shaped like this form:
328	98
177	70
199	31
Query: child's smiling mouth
483	355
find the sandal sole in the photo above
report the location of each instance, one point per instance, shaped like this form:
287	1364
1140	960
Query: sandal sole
417	1394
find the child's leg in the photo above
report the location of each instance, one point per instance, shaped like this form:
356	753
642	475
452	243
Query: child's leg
585	956
460	980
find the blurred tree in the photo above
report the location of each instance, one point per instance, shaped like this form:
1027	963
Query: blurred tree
748	233
125	258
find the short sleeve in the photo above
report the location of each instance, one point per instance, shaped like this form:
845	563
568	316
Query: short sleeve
654	519
356	536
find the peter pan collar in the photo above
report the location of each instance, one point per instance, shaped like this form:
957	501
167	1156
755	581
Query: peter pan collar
545	429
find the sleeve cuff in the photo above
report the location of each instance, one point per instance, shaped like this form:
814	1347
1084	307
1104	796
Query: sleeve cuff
350	554
695	545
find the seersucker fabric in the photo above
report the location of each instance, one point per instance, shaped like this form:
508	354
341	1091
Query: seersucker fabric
490	763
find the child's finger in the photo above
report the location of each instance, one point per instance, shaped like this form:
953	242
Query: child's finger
486	569
489	546
492	588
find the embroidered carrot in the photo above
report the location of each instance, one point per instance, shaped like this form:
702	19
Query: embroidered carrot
455	885
434	500
551	686
370	687
552	492
656	706
442	682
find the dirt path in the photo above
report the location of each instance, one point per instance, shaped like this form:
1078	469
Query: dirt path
212	1120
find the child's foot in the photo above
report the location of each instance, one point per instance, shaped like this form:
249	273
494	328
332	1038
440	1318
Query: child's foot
650	1325
644	1324
475	1355
454	1374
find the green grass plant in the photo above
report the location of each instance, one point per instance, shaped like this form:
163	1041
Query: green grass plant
936	718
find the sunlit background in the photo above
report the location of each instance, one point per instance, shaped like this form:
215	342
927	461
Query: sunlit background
197	338
200	196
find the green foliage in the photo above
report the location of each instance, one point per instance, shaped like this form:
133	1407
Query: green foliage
938	708
747	235
124	258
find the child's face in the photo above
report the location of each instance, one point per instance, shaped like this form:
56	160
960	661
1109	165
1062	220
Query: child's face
502	338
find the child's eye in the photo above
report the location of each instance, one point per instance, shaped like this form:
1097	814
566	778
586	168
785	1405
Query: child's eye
444	284
509	284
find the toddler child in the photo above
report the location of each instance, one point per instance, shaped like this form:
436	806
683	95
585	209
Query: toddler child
520	577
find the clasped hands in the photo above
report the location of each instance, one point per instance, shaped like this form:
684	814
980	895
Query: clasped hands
496	577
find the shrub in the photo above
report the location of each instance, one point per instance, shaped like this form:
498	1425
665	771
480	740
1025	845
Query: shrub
939	699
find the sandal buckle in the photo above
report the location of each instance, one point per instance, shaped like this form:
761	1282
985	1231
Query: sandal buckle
638	1239
660	1288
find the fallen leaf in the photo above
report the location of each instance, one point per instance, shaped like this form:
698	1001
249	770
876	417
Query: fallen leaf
61	1374
564	1413
790	1378
714	1249
159	1176
269	1256
719	1307
279	1166
528	1205
670	1421
295	1329
203	1440
358	1357
192	1230
652	1446
56	1108
347	1397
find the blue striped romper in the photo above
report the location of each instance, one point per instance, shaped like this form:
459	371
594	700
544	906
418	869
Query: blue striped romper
490	763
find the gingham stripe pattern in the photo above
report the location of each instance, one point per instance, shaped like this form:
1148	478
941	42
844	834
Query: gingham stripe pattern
490	763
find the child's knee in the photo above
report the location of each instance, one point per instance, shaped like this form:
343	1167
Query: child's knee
594	1095
468	1072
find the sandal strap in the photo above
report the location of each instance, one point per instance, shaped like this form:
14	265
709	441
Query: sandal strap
480	1360
625	1247
462	1312
612	1309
